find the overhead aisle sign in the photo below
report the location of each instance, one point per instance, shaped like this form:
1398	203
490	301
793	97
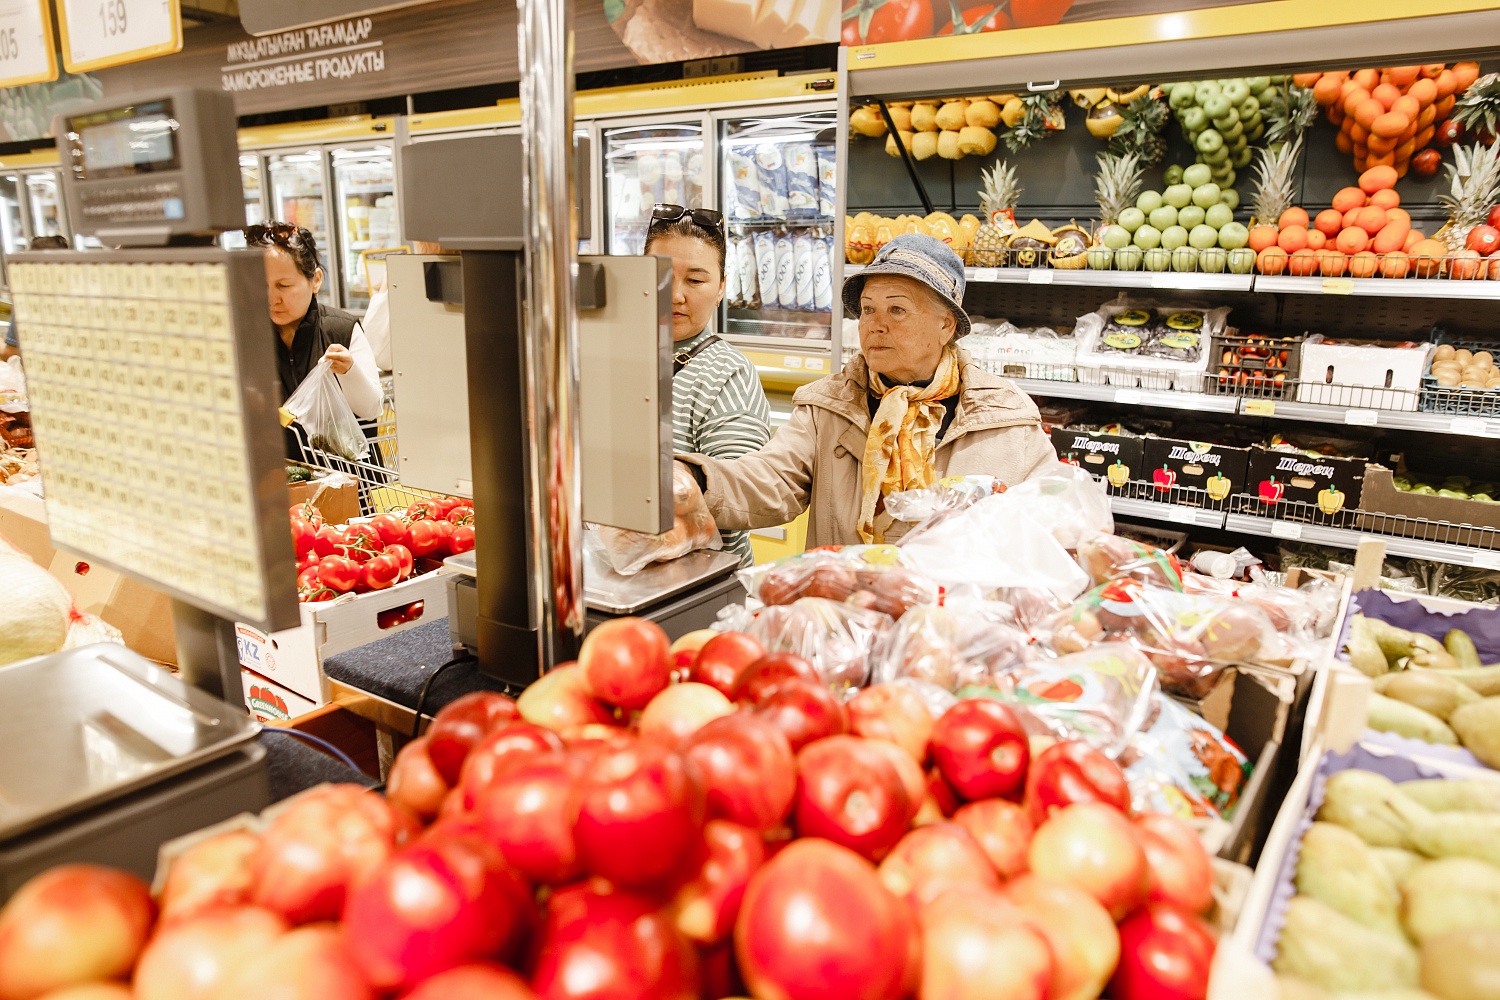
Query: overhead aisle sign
97	34
27	54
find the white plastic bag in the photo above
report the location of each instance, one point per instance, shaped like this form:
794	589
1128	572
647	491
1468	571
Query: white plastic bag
319	406
629	552
12	387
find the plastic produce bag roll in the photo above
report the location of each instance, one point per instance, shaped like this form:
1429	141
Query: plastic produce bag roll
823	275
744	261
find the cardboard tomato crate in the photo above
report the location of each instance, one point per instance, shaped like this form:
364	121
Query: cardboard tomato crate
1362	374
293	658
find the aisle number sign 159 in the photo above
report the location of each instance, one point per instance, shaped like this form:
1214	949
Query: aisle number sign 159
97	34
27	54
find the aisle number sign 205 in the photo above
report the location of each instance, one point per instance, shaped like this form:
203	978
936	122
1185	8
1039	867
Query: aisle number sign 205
97	34
27	53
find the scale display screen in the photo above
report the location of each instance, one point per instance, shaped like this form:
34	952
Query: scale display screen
126	142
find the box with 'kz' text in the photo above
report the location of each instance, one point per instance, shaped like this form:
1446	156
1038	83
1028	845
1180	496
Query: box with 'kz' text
1117	458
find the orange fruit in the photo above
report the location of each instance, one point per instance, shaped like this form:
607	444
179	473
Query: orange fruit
1427	257
1447	83
1347	198
1424	137
1413	237
1344	143
1394	265
1353	98
1404	76
1395	214
1294	217
1367	111
1262	237
1363	265
1465	73
1316	239
1292	239
1405	151
1271	260
1425	91
1379	145
1350	217
1387	199
1377	179
1329	221
1336	114
1389	125
1386	94
1367	78
1332	263
1408	106
1303	263
1382	160
1372	220
1310	79
1432	70
1444	106
1327	89
1352	240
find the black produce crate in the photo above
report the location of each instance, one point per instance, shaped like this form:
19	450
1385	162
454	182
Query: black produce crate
1469	402
1255	362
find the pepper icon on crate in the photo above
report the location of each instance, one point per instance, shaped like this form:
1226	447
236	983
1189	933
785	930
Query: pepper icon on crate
1270	490
1331	500
1217	486
1118	474
1164	479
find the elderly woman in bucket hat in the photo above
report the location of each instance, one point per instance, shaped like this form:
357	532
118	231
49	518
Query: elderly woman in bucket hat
909	409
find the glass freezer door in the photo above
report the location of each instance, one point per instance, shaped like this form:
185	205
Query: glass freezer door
365	180
44	196
298	198
644	165
12	228
254	206
777	179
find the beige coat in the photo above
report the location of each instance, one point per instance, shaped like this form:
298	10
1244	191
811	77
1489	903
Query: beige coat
814	460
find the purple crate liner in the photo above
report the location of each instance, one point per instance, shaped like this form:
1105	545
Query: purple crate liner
1482	624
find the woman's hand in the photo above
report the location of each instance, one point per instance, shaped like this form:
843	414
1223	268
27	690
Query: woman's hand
339	359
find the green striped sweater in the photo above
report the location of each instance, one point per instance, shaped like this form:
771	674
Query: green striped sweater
719	410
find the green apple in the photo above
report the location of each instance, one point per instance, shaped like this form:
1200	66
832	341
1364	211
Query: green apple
1205	91
1148	237
1159	259
1218	155
1182	96
1230	197
1191	216
1236	90
1258	83
1206	194
1217	105
1209	141
1195	119
1185	259
1173	174
1178	196
1149	201
1173	237
1115	237
1248	107
1228	179
1164	217
1128	258
1227	121
1219	216
1252	122
1241	260
1212	260
1242	158
1233	132
1132	219
1100	258
1203	237
1195	176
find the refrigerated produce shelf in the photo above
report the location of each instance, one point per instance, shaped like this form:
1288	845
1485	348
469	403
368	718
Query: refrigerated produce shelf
1405	288
1127	396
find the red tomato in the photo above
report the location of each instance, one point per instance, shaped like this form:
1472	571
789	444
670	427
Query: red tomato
1070	772
391	528
380	572
445	539
446	505
461	515
424	510
303	533
363	542
329	540
424	537
871	22
463	539
1165	954
338	573
403	556
983	17
309	558
308	579
307	511
1032	13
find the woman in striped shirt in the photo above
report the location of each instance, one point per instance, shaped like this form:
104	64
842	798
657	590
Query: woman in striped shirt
718	406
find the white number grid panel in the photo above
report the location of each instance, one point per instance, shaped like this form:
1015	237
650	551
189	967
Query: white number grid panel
136	406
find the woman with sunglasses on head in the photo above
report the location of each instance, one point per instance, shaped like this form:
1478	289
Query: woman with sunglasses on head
308	331
718	406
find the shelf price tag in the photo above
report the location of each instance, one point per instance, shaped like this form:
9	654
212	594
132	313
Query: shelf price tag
1469	425
1129	397
1361	418
1338	286
1182	515
97	34
1487	560
986	274
1285	529
1040	276
1260	407
27	54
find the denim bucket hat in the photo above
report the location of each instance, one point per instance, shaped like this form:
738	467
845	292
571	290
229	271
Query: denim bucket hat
921	258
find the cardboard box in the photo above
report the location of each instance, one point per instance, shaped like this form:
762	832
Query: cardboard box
1378	493
338	504
143	615
1278	478
270	702
1195	473
1118	458
1362	374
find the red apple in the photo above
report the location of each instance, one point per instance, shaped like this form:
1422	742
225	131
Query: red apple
723	658
976	945
639	813
816	923
981	748
190	960
415	782
747	768
721	973
1165	954
324	843
627	661
501	750
1072	771
685	650
310	963
932	859
708	903
527	812
1003	831
461	724
1484	240
592	740
804	711
562	698
851	795
213	872
1180	870
602	944
1493	219
768	673
69	925
941	793
912	778
680	711
477	981
1092	846
1085	945
436	904
892	712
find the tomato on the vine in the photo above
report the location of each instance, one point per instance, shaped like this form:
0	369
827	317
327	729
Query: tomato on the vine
463	538
424	537
871	22
445	539
329	540
307	511
303	533
403	556
309	558
363	537
380	572
308	578
461	515
391	527
338	573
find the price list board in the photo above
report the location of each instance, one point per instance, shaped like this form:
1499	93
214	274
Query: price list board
97	34
153	393
27	52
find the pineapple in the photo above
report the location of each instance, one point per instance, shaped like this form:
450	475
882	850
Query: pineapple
997	204
1478	109
1291	113
1116	185
1474	178
1140	130
1276	183
1032	125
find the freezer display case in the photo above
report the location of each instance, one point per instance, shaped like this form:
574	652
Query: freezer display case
12	225
255	209
645	165
44	199
776	178
299	197
364	182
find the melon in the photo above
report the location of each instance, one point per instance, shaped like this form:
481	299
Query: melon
34	610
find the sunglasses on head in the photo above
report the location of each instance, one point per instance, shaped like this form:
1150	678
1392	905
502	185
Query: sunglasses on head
277	232
665	215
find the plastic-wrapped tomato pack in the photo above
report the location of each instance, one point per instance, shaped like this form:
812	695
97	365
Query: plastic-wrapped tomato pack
870	576
949	648
953	493
1111	557
836	638
1180	763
